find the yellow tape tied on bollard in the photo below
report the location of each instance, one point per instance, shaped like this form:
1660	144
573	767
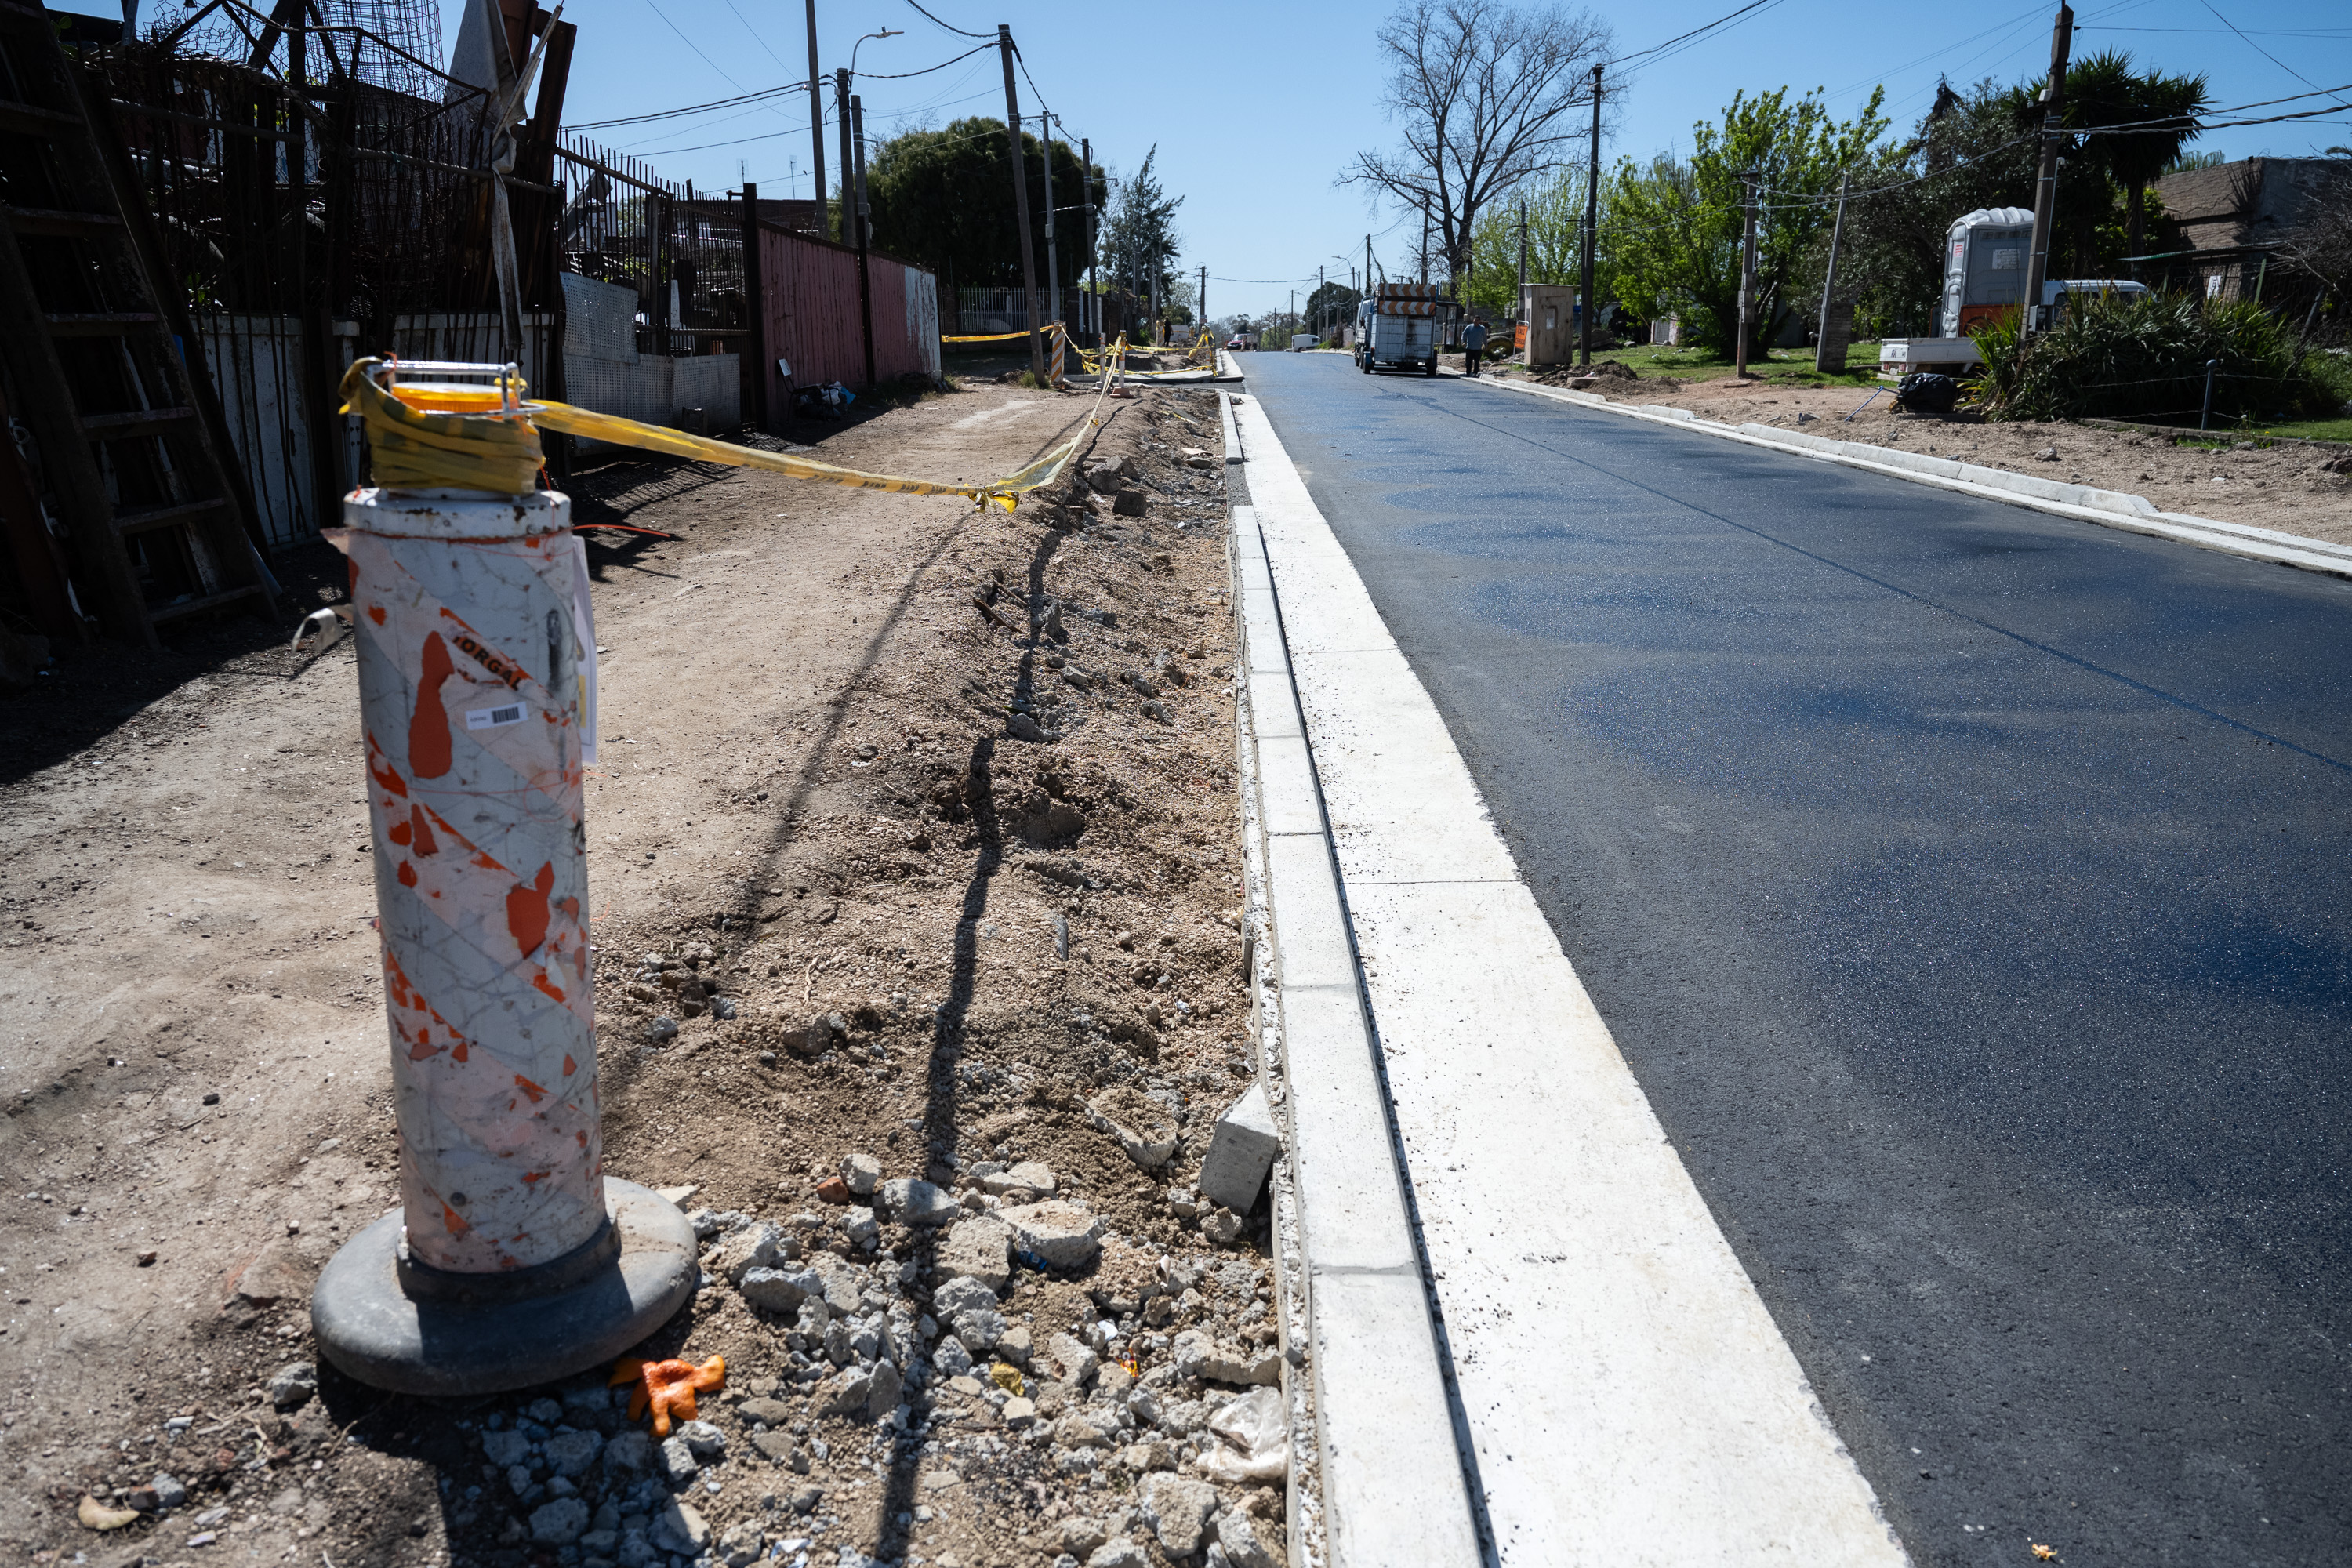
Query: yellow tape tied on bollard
464	443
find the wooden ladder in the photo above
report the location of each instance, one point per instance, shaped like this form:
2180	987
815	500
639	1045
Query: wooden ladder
159	522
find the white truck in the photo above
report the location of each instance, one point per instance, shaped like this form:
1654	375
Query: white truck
1397	328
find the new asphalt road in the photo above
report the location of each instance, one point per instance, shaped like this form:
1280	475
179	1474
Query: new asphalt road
1968	890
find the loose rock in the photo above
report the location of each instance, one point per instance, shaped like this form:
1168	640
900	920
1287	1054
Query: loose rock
913	1202
292	1385
1063	1235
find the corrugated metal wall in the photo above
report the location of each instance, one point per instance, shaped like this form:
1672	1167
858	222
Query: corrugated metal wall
810	294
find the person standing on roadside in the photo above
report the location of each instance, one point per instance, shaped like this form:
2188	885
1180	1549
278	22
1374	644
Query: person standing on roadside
1474	344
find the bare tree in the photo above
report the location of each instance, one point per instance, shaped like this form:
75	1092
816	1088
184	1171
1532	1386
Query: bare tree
1486	96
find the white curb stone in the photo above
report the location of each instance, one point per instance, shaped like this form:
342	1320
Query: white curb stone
1241	1152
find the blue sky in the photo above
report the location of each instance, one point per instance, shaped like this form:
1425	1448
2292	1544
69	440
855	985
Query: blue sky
1255	108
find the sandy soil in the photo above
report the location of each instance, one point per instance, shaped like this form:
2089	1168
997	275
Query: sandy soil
2296	488
814	801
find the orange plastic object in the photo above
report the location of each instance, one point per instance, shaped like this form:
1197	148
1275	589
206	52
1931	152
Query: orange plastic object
663	1386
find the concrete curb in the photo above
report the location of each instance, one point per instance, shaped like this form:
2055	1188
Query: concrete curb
1393	1489
2084	503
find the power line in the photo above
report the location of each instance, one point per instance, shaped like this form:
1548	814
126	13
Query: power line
764	92
755	37
950	26
901	76
1752	5
2271	58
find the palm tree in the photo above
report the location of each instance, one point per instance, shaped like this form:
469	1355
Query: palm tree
2103	89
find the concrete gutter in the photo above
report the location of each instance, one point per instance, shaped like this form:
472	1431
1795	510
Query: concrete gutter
1394	1490
2084	503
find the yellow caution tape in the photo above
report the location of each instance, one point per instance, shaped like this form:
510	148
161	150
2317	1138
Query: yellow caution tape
983	337
471	447
417	450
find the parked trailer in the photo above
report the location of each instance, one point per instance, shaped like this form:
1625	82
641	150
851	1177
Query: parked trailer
1397	328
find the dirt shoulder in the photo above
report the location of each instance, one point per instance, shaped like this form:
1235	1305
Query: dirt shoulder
2296	488
939	805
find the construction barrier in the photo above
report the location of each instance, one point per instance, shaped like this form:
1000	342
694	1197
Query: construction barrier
469	443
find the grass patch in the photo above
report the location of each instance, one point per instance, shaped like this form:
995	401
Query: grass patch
1794	365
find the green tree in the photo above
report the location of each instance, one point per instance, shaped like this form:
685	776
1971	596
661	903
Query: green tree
2105	89
1332	307
1673	229
944	199
1555	231
1140	244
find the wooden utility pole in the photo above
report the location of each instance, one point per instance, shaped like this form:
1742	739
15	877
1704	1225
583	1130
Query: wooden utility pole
864	231
2045	188
1523	255
1021	201
1747	277
1091	306
848	195
816	120
1829	351
755	306
1053	260
1201	301
1592	227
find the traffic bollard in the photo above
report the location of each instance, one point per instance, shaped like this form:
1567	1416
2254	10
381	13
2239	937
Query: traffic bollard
513	1259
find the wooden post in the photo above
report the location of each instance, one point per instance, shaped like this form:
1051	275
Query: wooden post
1592	230
865	231
1087	194
1747	277
755	306
1053	259
658	243
841	112
816	121
2046	186
1021	201
1829	353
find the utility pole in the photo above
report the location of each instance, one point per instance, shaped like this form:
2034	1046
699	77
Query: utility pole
816	120
1087	198
1368	264
2045	188
1747	277
841	112
1053	265
864	232
1523	251
1829	358
755	306
1201	301
1021	202
1592	230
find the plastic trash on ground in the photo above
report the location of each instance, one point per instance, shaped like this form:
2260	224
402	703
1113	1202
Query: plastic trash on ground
1253	1440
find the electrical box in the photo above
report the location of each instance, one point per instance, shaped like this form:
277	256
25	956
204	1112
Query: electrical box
1550	311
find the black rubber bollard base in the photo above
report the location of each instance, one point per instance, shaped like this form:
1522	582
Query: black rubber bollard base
392	1324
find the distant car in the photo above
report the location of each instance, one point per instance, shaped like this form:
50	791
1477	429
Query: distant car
1236	343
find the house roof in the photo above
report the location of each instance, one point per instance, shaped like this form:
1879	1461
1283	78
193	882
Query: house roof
2251	201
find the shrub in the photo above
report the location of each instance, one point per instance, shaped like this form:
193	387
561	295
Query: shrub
2143	357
